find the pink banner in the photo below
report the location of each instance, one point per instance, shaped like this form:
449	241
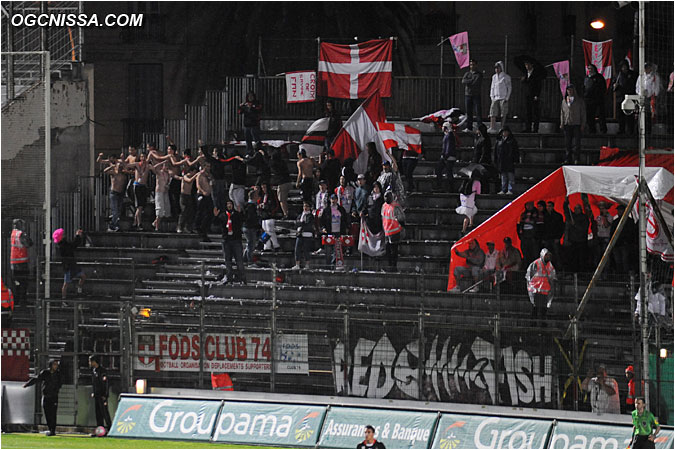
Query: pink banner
562	71
460	45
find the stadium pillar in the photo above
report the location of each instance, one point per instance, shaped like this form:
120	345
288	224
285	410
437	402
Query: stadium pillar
346	356
273	330
201	329
498	357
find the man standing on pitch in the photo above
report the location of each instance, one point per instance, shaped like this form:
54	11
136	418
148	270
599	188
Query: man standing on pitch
100	386
645	426
51	384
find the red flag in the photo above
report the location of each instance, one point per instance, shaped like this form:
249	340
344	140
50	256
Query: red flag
360	129
600	55
355	71
401	136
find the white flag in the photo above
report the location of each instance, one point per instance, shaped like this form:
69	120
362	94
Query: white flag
300	87
369	243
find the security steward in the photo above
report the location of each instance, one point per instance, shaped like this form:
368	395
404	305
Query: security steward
51	384
18	259
100	385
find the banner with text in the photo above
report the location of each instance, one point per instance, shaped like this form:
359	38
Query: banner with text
300	86
460	431
191	420
269	424
582	435
248	353
344	427
456	368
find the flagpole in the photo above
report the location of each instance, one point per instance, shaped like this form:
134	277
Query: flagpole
441	71
446	39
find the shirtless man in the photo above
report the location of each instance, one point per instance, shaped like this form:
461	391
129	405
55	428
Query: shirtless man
305	180
118	181
162	203
132	157
141	172
174	164
204	202
187	201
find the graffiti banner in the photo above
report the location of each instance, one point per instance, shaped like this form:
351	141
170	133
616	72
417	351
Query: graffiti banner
582	435
191	420
465	367
459	431
249	353
269	424
344	427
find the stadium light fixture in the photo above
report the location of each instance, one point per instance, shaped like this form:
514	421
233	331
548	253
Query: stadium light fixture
141	386
663	353
597	24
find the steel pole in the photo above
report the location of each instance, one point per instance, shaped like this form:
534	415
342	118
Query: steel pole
642	236
48	176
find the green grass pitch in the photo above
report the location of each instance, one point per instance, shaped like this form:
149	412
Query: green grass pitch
35	440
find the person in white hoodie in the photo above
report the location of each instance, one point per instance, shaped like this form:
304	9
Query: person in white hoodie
500	92
652	89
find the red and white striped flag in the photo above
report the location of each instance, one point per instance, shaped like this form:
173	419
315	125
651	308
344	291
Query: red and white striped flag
355	71
315	137
401	136
360	129
600	55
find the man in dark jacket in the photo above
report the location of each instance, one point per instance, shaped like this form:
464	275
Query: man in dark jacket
51	384
448	157
100	391
304	241
576	225
625	85
251	225
66	251
232	222
532	89
472	81
261	161
334	123
335	222
595	88
626	247
251	110
281	178
506	157
554	228
238	185
330	168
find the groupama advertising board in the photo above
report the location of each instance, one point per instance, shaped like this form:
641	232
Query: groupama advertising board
218	421
296	425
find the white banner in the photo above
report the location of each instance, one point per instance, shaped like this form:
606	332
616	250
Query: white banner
300	87
248	353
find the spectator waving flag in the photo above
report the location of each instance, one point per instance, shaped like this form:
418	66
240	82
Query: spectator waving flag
355	71
600	55
460	45
401	136
315	137
360	129
562	71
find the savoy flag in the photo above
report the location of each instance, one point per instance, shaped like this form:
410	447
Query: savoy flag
356	70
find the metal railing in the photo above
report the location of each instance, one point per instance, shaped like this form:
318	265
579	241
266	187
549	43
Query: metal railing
414	352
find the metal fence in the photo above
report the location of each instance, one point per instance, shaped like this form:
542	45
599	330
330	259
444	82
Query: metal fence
412	97
413	351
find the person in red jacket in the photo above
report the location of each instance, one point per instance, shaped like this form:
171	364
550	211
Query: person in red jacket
393	219
18	258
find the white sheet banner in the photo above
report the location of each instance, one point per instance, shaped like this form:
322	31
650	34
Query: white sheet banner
300	87
248	353
615	182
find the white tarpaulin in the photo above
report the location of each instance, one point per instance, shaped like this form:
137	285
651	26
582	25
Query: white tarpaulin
617	183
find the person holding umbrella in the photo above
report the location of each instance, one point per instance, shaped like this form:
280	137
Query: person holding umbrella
533	75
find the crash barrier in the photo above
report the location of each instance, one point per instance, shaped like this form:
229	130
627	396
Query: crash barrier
297	425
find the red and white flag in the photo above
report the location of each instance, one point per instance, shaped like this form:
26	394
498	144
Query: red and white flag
300	86
460	45
401	136
657	241
360	129
369	243
562	71
600	55
355	71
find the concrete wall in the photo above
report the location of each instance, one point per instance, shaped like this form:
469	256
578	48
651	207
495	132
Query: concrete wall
23	143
